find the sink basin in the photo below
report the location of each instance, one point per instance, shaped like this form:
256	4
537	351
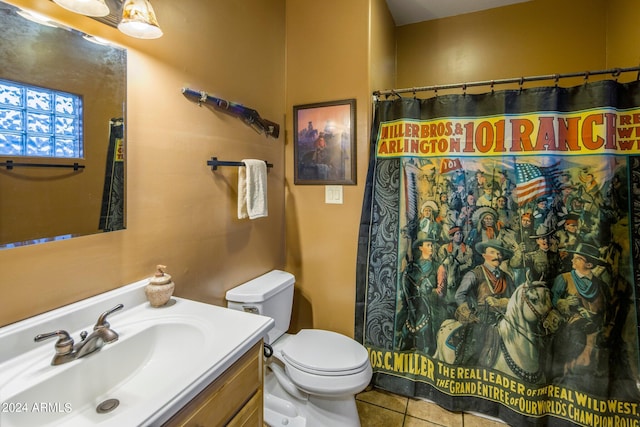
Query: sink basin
139	367
163	358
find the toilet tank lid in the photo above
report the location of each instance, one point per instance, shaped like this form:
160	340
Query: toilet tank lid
261	288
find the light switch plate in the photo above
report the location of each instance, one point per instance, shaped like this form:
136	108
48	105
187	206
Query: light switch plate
333	194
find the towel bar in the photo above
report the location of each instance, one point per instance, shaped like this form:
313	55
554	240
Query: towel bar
214	163
10	164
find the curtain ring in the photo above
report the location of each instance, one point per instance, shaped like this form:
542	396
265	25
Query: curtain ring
414	93
464	89
492	83
435	91
586	77
520	83
557	79
616	73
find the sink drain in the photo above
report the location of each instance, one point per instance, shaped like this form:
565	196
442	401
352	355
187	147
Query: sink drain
107	406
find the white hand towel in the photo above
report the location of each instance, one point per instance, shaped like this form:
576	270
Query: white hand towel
252	189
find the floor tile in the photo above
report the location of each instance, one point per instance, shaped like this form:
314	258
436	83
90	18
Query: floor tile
417	422
384	399
376	416
481	421
379	408
429	411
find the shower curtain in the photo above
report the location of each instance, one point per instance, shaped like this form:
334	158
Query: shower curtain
498	251
113	193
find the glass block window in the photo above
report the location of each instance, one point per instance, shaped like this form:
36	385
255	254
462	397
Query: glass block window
39	122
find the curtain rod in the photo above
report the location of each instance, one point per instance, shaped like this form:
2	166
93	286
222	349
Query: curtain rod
615	72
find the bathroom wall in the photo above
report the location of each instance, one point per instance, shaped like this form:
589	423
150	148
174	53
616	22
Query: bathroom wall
179	212
336	50
623	34
533	38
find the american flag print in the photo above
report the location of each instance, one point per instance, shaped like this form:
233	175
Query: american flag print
534	181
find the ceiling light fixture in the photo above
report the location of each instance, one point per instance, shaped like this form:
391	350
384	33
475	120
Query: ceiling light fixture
139	20
85	7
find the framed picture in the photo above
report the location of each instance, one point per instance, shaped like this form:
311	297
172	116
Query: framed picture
324	143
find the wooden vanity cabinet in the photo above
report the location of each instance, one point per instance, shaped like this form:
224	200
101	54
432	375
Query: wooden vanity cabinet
233	399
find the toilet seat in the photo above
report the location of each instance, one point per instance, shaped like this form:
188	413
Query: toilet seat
322	352
324	363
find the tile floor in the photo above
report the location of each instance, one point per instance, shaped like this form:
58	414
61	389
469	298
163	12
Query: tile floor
384	409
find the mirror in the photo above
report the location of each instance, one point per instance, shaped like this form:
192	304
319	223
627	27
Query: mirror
47	199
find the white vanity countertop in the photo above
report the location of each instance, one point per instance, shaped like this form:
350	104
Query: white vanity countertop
164	357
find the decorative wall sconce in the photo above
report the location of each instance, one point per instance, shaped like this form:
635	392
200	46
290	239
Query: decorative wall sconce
85	7
135	18
139	20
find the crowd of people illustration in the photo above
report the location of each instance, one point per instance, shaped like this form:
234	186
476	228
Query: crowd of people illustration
473	242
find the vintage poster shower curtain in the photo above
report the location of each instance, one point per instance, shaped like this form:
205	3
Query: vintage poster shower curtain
113	194
498	253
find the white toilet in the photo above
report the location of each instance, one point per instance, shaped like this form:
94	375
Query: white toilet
313	376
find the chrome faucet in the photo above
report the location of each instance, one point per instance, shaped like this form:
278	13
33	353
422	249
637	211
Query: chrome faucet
66	350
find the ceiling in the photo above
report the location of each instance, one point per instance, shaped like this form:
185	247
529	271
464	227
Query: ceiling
411	11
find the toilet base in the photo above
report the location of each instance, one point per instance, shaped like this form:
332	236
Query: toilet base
282	409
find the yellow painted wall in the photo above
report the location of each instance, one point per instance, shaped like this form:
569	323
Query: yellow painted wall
179	212
329	51
382	48
538	37
623	33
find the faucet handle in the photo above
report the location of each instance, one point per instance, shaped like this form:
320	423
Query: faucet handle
102	320
64	345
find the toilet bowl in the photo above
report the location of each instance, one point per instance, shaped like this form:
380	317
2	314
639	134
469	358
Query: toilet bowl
312	377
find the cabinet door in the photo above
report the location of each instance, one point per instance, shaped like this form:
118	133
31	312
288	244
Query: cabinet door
219	403
251	414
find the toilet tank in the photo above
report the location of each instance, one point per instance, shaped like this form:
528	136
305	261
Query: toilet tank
269	295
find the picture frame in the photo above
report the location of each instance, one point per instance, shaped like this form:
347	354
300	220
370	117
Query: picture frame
324	143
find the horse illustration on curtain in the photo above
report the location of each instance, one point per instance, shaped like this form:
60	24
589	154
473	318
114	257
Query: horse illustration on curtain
498	251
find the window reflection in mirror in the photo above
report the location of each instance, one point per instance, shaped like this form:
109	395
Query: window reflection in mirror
49	198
